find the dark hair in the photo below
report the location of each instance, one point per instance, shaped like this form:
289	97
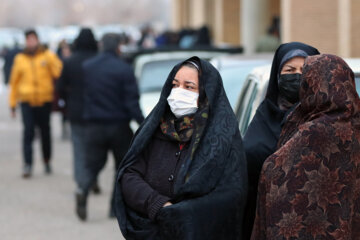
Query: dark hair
30	32
110	42
85	40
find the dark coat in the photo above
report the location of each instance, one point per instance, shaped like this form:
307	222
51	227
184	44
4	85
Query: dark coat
111	92
309	188
8	62
209	191
261	137
71	84
159	173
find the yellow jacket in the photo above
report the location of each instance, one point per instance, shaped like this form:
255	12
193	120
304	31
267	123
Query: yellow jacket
32	78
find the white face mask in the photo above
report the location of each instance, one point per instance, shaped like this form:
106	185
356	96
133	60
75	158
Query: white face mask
182	102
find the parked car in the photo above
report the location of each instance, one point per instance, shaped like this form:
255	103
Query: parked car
255	87
354	64
235	68
252	94
152	70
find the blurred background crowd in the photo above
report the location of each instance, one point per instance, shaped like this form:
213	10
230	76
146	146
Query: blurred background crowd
239	37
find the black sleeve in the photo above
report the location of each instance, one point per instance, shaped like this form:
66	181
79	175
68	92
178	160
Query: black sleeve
138	194
132	100
62	82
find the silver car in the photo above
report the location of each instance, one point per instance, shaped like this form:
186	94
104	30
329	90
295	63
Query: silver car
152	70
234	70
255	87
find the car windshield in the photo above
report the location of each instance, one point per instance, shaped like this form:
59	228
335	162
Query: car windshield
234	77
357	82
154	74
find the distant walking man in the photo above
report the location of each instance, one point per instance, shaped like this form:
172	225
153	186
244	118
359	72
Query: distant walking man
111	101
70	87
32	85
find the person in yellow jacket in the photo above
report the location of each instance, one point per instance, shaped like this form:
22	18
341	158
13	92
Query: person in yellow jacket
32	86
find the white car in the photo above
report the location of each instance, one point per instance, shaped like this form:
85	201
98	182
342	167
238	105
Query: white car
234	70
152	70
255	87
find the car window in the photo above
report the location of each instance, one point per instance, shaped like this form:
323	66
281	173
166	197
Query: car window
154	75
357	82
233	80
246	100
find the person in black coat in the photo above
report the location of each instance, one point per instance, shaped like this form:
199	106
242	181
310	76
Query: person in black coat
111	101
185	175
70	87
262	136
9	60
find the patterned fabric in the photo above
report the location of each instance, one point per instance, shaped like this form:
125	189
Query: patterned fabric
263	133
182	129
310	187
179	130
211	185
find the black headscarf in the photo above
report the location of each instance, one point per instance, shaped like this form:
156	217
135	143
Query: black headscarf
210	190
283	49
85	41
263	133
310	187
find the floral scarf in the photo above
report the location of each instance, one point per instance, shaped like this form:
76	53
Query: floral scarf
185	129
310	187
180	129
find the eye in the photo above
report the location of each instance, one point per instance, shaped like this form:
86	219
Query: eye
189	87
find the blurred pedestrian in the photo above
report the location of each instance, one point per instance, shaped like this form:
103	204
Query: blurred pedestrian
271	41
264	130
203	38
31	85
310	187
70	87
111	102
63	52
184	176
187	38
9	57
147	39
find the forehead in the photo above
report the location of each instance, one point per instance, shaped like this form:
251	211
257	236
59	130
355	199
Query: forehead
295	61
31	37
186	71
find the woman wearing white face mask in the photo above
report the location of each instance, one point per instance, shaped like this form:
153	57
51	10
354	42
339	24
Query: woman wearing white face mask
184	176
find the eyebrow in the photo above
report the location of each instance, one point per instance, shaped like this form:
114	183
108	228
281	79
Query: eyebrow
289	66
189	82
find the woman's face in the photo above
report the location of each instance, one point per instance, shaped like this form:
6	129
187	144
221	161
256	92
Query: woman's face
187	78
294	65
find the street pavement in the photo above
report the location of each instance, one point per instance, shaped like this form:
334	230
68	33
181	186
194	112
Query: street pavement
43	207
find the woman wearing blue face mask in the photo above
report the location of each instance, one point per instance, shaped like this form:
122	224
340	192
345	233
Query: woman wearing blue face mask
184	176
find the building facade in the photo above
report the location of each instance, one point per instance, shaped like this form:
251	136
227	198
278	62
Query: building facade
329	25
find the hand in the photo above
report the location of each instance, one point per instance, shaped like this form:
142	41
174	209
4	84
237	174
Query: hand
13	113
167	204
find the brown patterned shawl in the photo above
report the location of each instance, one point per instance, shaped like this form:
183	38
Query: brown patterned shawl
310	187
